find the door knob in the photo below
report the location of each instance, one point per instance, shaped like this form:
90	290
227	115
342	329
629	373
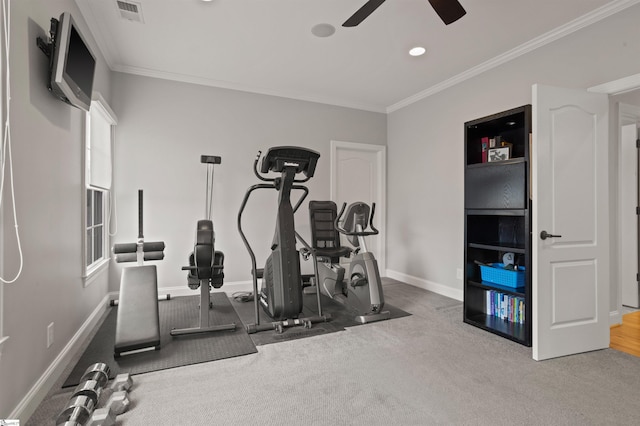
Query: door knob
544	235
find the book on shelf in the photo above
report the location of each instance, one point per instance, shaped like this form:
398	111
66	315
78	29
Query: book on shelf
484	145
505	306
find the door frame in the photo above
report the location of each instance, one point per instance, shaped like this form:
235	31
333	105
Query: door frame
627	115
381	181
616	87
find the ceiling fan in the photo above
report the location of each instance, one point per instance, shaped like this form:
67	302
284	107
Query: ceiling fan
448	10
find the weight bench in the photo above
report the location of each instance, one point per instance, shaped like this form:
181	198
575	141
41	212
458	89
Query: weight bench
138	320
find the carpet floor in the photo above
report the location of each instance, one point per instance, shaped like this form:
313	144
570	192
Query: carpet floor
428	368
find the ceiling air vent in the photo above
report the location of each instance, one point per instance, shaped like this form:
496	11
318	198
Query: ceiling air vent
130	10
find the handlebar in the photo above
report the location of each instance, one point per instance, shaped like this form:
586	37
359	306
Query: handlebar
267	179
255	169
362	233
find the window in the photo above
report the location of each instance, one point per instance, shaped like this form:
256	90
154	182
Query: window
97	186
96	229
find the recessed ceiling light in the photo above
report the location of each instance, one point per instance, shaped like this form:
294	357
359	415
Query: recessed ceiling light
323	30
417	51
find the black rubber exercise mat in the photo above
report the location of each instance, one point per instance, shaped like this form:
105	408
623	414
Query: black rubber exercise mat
179	312
341	317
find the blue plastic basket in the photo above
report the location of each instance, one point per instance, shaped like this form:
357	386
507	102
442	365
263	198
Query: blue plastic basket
496	274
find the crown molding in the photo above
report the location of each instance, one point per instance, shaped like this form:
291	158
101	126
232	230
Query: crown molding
619	86
247	88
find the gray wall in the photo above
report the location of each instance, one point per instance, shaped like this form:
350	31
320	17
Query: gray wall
165	126
425	153
46	147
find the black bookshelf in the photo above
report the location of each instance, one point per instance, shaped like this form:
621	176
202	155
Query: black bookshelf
497	220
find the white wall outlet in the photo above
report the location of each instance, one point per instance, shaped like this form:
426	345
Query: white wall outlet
459	273
49	335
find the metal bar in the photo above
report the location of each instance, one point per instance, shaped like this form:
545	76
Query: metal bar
246	243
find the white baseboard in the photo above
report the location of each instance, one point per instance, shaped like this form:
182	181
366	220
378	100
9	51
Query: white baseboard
40	389
615	317
441	289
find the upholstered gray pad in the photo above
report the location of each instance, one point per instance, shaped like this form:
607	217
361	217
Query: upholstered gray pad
138	323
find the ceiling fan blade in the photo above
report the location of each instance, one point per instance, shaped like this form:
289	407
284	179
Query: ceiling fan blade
362	13
448	10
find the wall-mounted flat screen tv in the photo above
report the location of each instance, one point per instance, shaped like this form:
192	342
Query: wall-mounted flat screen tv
72	64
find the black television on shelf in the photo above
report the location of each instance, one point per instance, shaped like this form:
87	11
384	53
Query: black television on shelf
72	64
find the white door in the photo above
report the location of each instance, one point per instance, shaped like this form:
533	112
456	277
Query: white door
358	174
570	202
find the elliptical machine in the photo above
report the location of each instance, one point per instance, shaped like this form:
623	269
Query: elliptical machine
281	292
205	262
361	289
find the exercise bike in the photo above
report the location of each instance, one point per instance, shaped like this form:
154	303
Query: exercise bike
361	289
206	264
281	293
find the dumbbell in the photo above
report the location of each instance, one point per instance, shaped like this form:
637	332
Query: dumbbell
85	397
82	404
93	384
90	389
92	392
102	417
117	402
98	372
122	382
77	413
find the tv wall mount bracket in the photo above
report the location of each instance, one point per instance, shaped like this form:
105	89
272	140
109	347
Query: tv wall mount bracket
47	47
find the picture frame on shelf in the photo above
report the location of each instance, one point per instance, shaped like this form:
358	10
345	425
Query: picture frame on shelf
499	154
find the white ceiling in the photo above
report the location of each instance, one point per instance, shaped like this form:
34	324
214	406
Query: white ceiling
266	46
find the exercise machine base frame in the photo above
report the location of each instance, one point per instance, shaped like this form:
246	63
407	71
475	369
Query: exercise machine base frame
368	318
204	327
279	326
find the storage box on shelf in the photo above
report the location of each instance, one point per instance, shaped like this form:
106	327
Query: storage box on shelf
496	273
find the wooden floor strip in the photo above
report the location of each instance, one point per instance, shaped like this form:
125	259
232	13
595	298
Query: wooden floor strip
626	337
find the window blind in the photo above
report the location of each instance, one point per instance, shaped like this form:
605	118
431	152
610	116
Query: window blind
99	135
